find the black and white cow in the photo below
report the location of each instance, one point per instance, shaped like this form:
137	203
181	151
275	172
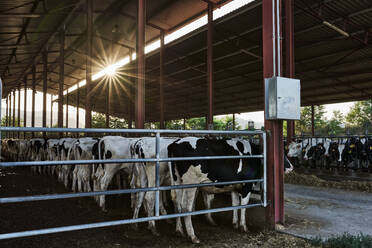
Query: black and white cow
203	171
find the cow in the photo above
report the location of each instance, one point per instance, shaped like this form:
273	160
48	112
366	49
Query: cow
65	171
111	147
203	171
351	152
145	175
81	175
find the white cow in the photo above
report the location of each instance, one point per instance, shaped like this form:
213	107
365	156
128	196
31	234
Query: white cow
111	147
82	173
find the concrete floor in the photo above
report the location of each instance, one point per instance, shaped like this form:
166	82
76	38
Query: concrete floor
313	211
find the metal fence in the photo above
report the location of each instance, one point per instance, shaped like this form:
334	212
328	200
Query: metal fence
157	188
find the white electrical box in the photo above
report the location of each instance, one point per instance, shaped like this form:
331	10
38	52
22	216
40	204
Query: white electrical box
283	98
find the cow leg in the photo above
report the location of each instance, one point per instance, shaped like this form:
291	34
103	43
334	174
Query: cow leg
243	224
208	198
235	202
150	207
188	202
74	179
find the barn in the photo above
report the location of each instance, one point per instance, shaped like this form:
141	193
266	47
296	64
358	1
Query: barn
148	62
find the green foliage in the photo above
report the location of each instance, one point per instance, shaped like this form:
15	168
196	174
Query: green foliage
99	121
304	124
360	115
345	240
334	125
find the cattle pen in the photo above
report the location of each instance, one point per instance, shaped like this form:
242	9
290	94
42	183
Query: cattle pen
145	63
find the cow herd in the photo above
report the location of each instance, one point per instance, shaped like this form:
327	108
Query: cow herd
348	153
98	177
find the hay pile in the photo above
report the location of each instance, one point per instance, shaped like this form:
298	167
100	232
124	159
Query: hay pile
312	180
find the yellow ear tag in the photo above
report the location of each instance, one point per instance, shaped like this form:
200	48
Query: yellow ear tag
349	151
370	148
352	146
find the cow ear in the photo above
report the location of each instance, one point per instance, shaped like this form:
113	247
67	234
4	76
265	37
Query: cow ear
299	146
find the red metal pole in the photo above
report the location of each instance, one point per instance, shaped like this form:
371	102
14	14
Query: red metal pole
130	97
290	65
45	81
161	80
33	98
6	111
312	121
13	121
140	93
19	109
275	163
88	106
25	107
61	77
210	66
108	94
77	106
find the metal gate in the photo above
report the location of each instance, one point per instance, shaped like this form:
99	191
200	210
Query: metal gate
154	133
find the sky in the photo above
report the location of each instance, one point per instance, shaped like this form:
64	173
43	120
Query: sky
329	108
217	13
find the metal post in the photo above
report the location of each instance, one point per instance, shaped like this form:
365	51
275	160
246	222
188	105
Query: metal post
184	123
61	76
88	107
312	121
33	98
290	69
67	98
13	120
275	163
161	79
233	128
19	109
108	94
51	110
157	174
25	107
45	81
77	106
6	113
210	66
140	44
130	97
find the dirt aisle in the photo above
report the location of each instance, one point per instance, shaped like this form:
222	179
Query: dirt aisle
313	211
43	214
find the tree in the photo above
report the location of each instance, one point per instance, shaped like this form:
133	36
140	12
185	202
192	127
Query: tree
334	125
304	124
99	121
360	115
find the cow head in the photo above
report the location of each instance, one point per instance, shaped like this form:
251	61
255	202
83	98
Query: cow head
319	151
294	150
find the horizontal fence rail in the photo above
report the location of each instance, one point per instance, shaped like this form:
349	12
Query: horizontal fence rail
157	189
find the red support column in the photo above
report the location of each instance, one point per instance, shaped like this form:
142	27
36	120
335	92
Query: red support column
19	109
108	94
210	66
275	163
61	77
51	110
77	106
45	81
161	80
312	121
33	99
88	105
140	93
25	107
13	120
290	65
6	111
130	97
